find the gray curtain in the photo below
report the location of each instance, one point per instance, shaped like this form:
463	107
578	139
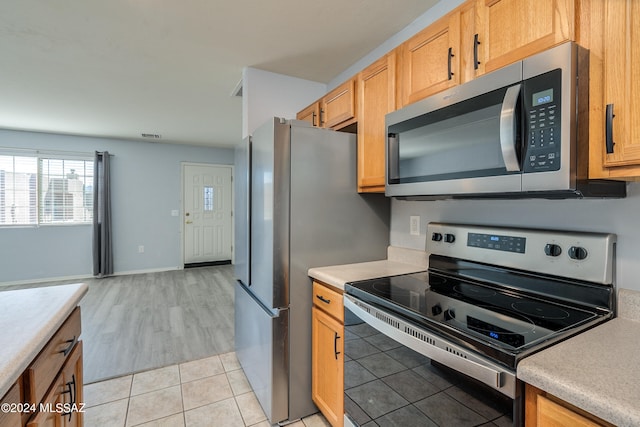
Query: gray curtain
102	250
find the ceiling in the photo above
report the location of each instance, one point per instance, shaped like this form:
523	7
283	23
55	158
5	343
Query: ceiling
120	68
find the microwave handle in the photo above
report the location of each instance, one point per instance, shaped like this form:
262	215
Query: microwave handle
393	154
508	128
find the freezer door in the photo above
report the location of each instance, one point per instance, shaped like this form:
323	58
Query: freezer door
242	232
270	179
261	340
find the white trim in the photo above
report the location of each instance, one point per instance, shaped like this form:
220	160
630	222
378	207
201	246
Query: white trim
45	280
85	277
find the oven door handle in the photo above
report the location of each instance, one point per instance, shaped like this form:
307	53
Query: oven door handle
509	128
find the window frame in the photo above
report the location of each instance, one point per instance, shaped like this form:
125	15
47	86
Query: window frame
40	158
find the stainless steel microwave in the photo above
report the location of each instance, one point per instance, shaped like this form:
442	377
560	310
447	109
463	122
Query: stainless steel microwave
510	133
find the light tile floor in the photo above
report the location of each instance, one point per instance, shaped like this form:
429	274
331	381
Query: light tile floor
207	392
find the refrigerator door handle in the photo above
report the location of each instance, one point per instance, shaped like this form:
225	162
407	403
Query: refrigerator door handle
272	312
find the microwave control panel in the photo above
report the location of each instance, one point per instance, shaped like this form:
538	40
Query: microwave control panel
541	102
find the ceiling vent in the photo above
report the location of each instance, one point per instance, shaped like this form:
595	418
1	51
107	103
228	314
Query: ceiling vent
151	135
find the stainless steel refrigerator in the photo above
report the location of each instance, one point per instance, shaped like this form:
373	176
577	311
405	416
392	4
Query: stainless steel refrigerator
296	207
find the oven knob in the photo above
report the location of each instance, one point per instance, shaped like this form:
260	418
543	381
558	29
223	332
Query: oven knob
577	252
449	238
552	250
436	237
436	310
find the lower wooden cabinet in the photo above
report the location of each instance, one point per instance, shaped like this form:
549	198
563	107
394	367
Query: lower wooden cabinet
543	409
327	361
51	387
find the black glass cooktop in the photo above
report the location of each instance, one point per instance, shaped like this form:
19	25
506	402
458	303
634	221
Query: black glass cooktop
498	316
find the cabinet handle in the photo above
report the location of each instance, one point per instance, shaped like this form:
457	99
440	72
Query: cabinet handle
449	56
71	342
336	337
321	117
476	42
323	299
72	396
313	119
609	129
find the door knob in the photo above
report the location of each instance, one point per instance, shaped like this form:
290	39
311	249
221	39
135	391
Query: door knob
189	222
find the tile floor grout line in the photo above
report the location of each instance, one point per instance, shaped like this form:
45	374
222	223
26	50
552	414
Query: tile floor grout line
184	412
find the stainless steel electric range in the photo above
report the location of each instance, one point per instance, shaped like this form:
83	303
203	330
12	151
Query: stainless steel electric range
442	347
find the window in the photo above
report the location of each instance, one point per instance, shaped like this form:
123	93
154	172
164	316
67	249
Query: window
45	190
208	199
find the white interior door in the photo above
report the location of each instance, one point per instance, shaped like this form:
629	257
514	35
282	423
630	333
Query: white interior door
207	213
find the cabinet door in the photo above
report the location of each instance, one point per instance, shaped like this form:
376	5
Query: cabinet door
515	29
430	60
53	399
9	419
376	98
543	409
311	114
338	107
621	77
61	405
327	366
471	48
74	396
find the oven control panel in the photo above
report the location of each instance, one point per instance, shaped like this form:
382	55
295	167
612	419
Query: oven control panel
497	242
576	255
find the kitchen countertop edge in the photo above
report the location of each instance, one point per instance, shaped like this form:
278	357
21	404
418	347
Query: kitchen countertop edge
399	261
30	317
597	371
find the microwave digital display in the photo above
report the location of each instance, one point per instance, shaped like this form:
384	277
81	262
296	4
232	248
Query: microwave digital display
543	97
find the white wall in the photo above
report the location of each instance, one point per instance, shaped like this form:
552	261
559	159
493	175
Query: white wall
266	95
619	216
146	181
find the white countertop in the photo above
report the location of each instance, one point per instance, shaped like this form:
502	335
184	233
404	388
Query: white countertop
399	261
598	370
28	319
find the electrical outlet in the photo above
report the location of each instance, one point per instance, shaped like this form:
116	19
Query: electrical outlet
140	249
414	225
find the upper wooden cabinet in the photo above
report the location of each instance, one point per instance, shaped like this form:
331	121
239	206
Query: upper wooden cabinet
478	37
471	49
514	29
376	98
614	123
338	107
311	114
430	60
335	110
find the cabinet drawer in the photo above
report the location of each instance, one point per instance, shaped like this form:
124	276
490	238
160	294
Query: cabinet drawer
41	373
328	300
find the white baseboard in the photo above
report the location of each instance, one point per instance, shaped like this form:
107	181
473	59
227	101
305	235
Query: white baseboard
45	280
84	277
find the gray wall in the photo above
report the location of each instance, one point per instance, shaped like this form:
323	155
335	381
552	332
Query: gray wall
146	179
619	216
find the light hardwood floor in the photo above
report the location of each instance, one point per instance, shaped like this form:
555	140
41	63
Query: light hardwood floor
144	321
